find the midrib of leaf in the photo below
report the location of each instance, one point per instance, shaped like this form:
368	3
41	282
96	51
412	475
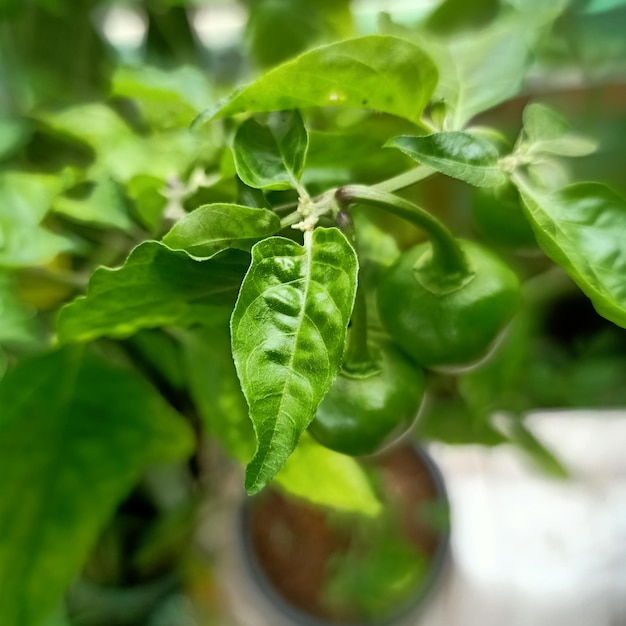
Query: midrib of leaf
65	400
309	258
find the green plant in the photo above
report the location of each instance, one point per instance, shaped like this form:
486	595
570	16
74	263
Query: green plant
160	287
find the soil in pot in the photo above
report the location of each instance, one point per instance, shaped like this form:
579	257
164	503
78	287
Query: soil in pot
348	569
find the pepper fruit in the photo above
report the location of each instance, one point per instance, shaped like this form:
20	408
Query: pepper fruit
447	320
368	409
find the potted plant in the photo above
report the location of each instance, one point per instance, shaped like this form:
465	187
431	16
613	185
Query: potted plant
284	283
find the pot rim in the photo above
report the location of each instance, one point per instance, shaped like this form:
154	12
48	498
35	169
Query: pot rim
415	602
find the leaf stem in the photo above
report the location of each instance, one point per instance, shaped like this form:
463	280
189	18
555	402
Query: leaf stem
406	179
447	254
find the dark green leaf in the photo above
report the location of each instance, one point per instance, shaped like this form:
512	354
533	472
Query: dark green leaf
457	15
216	227
374	72
215	388
271	156
457	154
155	287
582	228
301	25
86	430
288	331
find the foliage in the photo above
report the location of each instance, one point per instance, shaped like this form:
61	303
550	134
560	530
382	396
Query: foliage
160	287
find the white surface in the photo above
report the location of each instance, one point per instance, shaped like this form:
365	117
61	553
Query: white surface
532	551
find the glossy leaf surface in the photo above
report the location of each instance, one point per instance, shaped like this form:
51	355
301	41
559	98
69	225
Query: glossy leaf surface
215	227
288	331
87	430
156	286
456	154
376	72
583	228
271	156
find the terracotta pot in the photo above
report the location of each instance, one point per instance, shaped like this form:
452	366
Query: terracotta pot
318	567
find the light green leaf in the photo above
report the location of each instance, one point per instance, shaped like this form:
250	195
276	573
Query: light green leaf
167	98
16	321
376	72
86	430
548	132
215	227
457	154
271	156
582	228
288	331
120	152
24	201
480	69
104	205
327	478
156	286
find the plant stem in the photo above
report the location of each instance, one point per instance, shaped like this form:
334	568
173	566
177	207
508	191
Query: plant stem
406	179
447	255
358	358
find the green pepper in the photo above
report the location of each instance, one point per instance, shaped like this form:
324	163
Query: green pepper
444	302
449	322
366	410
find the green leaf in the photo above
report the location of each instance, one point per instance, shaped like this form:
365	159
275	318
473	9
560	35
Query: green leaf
288	331
215	227
548	132
16	321
120	152
24	201
156	286
301	25
271	156
457	154
166	98
523	438
458	15
104	205
582	228
75	433
376	72
327	478
215	389
479	69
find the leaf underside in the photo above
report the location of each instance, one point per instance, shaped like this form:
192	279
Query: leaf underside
582	228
